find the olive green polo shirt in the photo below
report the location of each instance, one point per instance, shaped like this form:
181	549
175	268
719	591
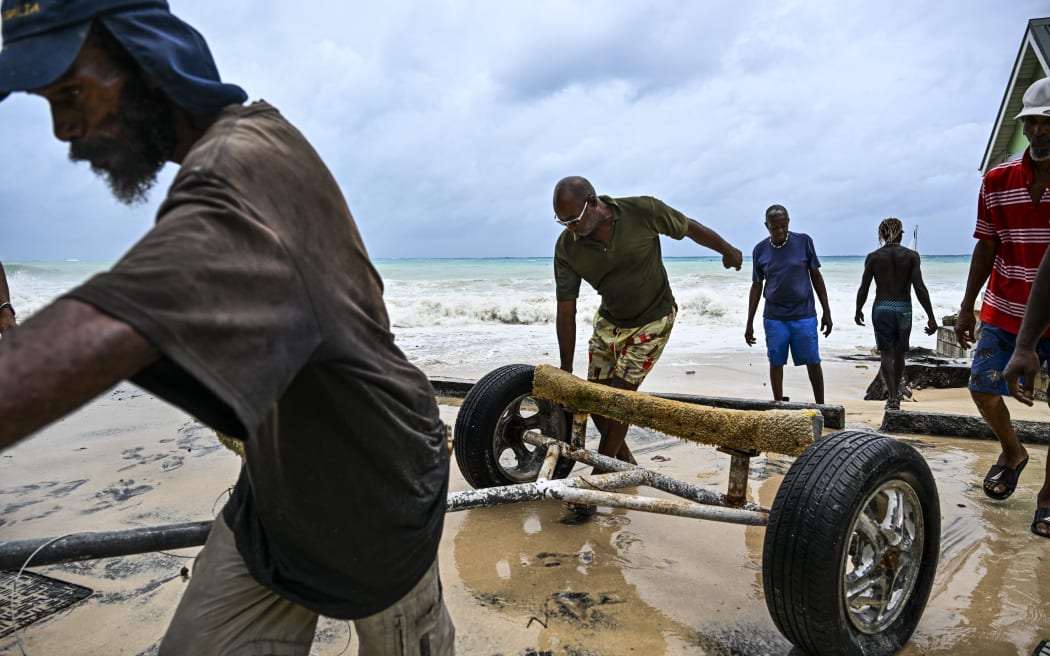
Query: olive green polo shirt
629	274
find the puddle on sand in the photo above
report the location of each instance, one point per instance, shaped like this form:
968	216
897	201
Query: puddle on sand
526	579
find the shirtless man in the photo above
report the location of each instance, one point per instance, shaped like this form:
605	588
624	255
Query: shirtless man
896	271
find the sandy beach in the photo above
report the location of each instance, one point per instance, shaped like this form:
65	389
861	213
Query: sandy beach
524	579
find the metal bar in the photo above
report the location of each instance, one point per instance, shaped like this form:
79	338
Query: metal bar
572	490
549	461
739	465
614	480
662	506
507	494
579	429
653	479
489	497
102	544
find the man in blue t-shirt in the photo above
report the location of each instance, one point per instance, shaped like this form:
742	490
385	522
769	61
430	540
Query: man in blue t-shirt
786	271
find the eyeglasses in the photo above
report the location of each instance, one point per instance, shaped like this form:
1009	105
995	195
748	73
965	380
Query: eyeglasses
572	221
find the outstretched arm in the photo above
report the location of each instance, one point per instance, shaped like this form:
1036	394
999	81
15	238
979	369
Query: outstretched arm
923	295
1024	363
701	234
862	293
565	323
752	308
63	357
822	296
980	268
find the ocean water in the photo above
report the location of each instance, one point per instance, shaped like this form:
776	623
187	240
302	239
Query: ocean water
464	317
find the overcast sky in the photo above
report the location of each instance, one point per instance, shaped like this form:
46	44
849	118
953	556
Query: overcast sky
448	123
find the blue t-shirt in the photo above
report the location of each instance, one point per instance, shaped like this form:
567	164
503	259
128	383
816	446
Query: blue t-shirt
785	271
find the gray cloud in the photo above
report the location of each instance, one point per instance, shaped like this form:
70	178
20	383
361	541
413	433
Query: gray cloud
447	123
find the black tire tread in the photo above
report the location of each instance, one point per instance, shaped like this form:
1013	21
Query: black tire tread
805	530
477	418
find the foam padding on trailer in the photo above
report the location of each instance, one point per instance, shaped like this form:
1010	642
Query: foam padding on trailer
780	431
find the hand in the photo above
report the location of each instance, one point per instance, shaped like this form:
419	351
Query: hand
7	321
749	335
733	259
858	318
1024	363
825	324
964	325
931	326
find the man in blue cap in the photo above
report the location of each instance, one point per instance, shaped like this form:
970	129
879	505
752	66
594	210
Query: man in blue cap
252	304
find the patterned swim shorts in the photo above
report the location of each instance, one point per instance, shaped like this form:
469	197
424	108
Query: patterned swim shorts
891	321
626	353
993	351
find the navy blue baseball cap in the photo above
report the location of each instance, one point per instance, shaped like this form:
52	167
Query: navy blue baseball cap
43	37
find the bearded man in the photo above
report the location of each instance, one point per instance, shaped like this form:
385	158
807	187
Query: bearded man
253	305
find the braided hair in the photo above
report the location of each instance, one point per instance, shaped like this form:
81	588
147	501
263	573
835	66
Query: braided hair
890	230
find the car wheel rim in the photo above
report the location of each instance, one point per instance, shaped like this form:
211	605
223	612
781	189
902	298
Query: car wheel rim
516	459
884	557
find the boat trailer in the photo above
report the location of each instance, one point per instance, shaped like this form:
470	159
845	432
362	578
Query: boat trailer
852	537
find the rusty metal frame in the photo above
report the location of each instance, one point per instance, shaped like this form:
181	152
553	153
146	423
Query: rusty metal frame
695	501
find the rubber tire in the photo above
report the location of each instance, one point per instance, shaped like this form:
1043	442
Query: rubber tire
807	537
477	422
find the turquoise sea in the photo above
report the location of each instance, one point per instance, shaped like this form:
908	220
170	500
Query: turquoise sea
468	316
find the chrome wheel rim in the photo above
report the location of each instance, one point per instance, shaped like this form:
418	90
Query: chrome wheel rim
882	563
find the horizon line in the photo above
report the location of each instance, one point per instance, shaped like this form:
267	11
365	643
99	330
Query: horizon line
468	257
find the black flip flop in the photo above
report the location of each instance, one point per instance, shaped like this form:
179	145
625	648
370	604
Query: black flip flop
1042	516
1043	648
1003	475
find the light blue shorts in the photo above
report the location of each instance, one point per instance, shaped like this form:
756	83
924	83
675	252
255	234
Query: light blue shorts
800	335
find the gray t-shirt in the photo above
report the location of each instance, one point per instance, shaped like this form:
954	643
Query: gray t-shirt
257	289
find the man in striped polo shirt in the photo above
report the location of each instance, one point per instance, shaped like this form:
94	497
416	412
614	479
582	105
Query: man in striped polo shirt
1013	230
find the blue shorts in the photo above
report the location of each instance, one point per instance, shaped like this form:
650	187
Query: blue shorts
990	356
800	335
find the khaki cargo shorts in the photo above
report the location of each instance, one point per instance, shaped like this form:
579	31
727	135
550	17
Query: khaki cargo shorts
626	353
225	612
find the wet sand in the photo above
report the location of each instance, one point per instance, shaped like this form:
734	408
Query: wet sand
527	579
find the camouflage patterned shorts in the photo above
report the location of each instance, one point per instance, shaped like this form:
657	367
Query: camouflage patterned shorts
626	353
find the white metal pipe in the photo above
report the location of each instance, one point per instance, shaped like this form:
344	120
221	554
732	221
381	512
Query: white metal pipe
549	462
680	508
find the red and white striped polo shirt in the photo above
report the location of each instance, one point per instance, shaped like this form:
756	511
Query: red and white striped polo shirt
1006	213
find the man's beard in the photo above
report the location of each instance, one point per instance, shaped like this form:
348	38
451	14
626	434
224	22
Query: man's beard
131	163
1039	149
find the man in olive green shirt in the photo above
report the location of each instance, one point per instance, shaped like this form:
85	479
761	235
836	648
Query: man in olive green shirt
614	244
